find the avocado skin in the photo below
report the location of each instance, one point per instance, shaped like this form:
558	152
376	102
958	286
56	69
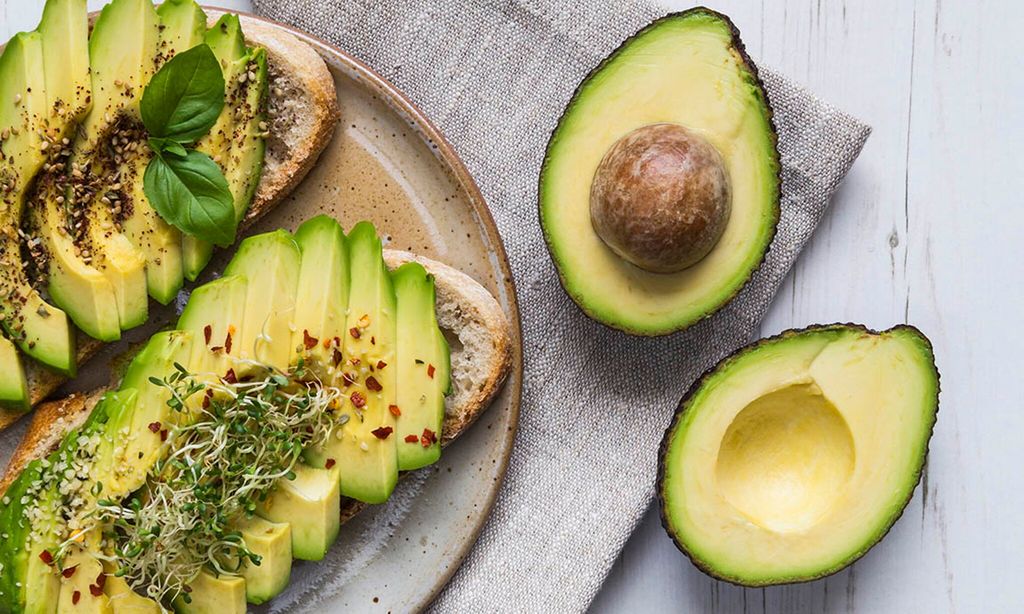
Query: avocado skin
698	384
741	50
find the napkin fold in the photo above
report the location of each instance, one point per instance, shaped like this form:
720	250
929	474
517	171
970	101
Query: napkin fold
494	76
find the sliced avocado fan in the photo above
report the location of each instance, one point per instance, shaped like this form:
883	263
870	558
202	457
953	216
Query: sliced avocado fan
317	310
794	456
81	243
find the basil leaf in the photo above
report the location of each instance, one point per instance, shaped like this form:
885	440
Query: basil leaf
170	147
184	98
191	194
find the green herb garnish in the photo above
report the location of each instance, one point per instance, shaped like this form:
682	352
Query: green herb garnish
186	187
220	464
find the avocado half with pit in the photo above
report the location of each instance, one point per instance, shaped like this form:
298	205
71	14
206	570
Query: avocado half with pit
659	193
794	456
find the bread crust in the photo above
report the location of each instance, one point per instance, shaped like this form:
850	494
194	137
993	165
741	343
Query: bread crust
479	316
288	58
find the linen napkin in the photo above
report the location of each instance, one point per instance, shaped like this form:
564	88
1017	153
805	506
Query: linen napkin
495	76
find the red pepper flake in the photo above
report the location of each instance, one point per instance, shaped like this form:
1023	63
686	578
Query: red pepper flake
430	371
217	348
411	439
338	357
230	377
75	597
46	557
383	432
394	410
381	364
373	384
207	333
70	571
427	438
101	580
354	332
357	399
308	340
348	379
95	590
326	343
227	343
154	427
354	362
207	397
373	340
330	463
337	342
163	435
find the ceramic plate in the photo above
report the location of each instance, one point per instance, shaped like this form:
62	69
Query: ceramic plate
387	163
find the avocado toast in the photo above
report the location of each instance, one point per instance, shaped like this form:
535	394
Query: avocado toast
288	125
228	453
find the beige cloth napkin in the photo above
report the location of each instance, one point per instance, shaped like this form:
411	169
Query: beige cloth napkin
494	76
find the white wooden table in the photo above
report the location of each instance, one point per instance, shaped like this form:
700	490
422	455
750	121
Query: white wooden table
927	229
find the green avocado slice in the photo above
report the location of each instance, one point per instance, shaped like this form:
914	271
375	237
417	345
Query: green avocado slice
13	386
687	69
423	365
794	456
272	542
270	262
40	330
364	446
213	594
322	297
152	415
214	315
228	45
311	503
76	285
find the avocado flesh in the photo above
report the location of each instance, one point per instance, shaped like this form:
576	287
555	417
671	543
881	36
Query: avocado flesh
219	305
40	330
41	583
422	361
322	296
182	26
27	584
13	386
368	464
272	542
143	445
120	407
227	42
86	295
796	455
121	50
123	600
311	503
87	569
688	69
79	288
270	262
214	595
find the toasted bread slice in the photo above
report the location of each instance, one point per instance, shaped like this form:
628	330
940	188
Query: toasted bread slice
303	112
481	356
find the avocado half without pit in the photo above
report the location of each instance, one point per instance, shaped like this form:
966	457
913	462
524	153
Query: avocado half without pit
793	457
659	194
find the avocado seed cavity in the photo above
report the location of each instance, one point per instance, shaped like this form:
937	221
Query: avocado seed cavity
661	198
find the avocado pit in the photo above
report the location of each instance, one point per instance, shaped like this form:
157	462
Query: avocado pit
661	198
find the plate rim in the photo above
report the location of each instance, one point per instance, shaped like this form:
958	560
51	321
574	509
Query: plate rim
447	154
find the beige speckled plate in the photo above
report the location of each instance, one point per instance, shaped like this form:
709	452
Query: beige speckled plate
388	164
